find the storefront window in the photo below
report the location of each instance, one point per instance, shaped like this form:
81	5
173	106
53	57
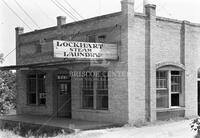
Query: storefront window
102	91
88	91
95	91
36	94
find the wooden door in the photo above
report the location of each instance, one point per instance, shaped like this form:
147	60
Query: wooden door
64	98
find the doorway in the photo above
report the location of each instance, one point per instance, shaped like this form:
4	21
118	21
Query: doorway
63	95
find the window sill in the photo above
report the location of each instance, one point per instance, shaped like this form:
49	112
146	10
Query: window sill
34	105
174	108
93	110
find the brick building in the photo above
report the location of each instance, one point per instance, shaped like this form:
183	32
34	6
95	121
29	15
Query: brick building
155	74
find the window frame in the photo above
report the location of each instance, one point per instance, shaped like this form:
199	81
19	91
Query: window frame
88	85
37	91
102	85
102	38
95	92
169	86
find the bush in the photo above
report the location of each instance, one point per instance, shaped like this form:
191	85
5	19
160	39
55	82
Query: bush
195	125
7	91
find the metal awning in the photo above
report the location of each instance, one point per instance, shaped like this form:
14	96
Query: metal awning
42	65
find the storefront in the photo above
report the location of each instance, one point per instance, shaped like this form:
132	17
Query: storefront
121	67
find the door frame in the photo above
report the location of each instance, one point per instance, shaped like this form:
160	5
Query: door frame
56	90
198	94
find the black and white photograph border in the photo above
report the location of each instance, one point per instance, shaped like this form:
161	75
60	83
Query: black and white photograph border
99	69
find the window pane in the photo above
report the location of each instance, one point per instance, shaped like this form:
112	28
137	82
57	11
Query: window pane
41	89
161	79
101	38
36	89
175	81
32	76
88	81
31	90
87	101
32	85
175	73
32	98
41	76
162	99
88	90
175	99
41	85
102	91
102	102
102	80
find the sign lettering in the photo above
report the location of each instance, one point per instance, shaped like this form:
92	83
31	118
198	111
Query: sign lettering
84	50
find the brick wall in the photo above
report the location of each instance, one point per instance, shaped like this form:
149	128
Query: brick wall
109	25
144	41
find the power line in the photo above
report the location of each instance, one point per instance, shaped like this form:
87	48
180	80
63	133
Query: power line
9	53
67	10
27	13
17	15
62	9
73	9
44	12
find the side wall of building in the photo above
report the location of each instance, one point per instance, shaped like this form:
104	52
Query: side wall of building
136	69
192	64
155	42
179	43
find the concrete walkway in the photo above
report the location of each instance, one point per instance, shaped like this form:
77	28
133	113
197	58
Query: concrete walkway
165	129
56	122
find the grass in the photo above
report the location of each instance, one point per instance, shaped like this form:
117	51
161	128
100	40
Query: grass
12	128
8	134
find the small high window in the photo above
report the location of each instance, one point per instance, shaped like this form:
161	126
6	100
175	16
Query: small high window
102	38
91	38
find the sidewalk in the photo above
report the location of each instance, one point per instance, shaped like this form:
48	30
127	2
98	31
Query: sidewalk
172	129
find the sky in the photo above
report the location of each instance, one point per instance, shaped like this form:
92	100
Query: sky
43	14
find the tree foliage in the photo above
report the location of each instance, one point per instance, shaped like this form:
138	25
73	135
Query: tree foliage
7	90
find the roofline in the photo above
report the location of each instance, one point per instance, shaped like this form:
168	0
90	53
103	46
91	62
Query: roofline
73	23
141	15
